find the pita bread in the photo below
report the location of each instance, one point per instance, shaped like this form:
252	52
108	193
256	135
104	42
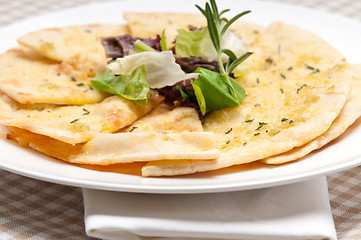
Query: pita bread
75	124
30	78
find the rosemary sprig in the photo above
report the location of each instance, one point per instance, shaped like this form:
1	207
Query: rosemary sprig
217	27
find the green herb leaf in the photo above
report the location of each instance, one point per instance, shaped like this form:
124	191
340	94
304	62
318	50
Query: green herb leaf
230	130
260	125
215	9
194	43
224	11
163	42
238	61
200	98
132	87
86	111
235	18
216	31
212	92
75	120
142	47
230	54
213	26
133	128
184	95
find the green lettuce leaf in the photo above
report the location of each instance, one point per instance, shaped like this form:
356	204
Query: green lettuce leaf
241	70
143	47
199	44
160	67
133	87
212	92
195	43
163	42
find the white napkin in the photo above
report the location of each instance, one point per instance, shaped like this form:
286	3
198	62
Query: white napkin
294	211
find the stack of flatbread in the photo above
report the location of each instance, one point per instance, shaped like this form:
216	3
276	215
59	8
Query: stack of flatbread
301	94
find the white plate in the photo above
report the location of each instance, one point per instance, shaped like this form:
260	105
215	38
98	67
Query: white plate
340	155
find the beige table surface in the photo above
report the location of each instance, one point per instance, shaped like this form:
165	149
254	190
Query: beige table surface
32	209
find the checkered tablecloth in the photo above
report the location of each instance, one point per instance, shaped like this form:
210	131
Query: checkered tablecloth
32	209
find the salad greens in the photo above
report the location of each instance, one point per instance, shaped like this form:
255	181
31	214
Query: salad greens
132	76
217	29
198	43
211	92
143	47
160	67
133	87
195	44
163	43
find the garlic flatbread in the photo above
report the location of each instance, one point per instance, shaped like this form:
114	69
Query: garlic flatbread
349	114
147	25
301	94
146	146
291	50
252	132
182	137
76	124
30	78
288	104
126	147
79	46
166	119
